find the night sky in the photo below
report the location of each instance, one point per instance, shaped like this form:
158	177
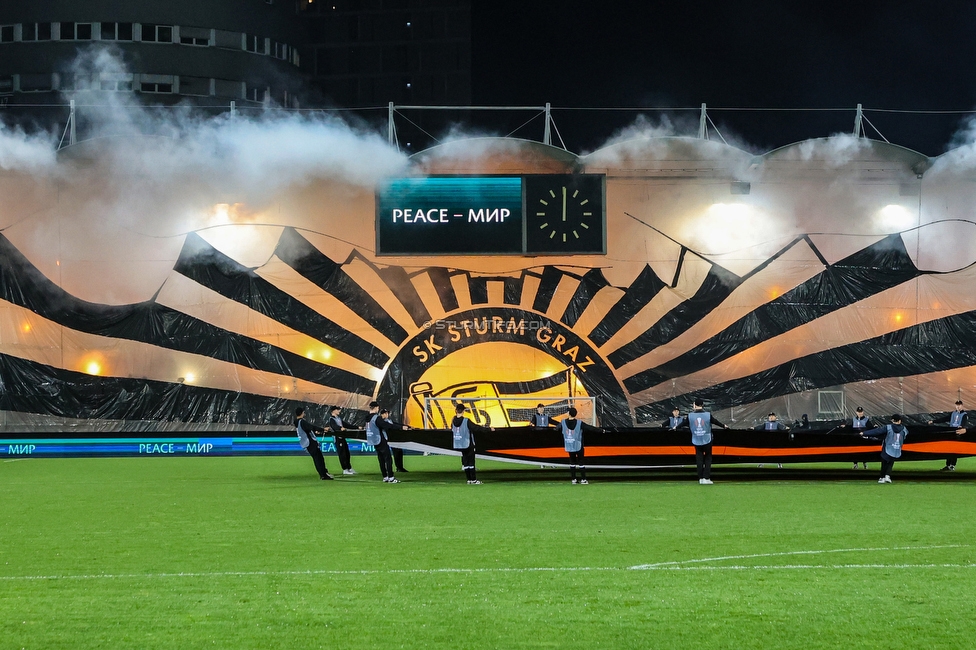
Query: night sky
764	54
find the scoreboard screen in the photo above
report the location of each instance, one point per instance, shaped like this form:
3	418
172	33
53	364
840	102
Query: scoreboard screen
547	214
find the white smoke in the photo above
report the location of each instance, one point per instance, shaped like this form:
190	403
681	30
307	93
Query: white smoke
143	176
20	151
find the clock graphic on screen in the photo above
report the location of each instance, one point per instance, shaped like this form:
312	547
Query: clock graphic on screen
565	214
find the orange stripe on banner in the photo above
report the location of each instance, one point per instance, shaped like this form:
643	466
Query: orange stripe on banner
937	447
943	447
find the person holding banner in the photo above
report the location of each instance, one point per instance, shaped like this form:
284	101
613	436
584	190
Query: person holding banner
771	424
306	438
342	446
675	421
957	419
572	430
894	437
860	422
376	428
701	422
395	452
539	419
463	431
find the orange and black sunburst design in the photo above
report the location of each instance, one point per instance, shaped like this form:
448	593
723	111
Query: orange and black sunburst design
304	328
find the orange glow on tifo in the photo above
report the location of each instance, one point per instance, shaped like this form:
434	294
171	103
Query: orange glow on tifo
26	327
93	368
324	354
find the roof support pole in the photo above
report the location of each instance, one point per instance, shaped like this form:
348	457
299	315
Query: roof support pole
703	124
547	133
858	126
73	122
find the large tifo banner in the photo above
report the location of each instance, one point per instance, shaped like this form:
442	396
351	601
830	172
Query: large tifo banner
807	281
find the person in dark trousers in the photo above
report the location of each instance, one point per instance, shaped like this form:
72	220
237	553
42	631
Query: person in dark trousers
306	438
397	452
675	421
860	422
463	431
771	424
376	428
539	419
701	422
572	430
894	437
342	447
957	419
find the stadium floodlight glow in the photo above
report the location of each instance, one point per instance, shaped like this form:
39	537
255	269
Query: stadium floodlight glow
896	217
730	211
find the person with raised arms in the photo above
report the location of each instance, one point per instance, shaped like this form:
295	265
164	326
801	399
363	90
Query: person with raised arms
540	419
572	430
463	431
894	437
701	422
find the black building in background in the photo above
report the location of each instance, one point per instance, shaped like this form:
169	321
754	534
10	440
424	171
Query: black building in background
288	53
371	52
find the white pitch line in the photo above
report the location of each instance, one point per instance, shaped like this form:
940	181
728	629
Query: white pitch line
792	567
661	566
641	567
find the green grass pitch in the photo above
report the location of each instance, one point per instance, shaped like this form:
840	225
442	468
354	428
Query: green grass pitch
249	552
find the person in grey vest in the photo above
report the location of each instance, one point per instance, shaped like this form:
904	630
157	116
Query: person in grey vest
395	452
959	420
540	419
771	424
342	446
376	428
675	421
860	422
463	431
306	438
894	437
701	422
572	430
